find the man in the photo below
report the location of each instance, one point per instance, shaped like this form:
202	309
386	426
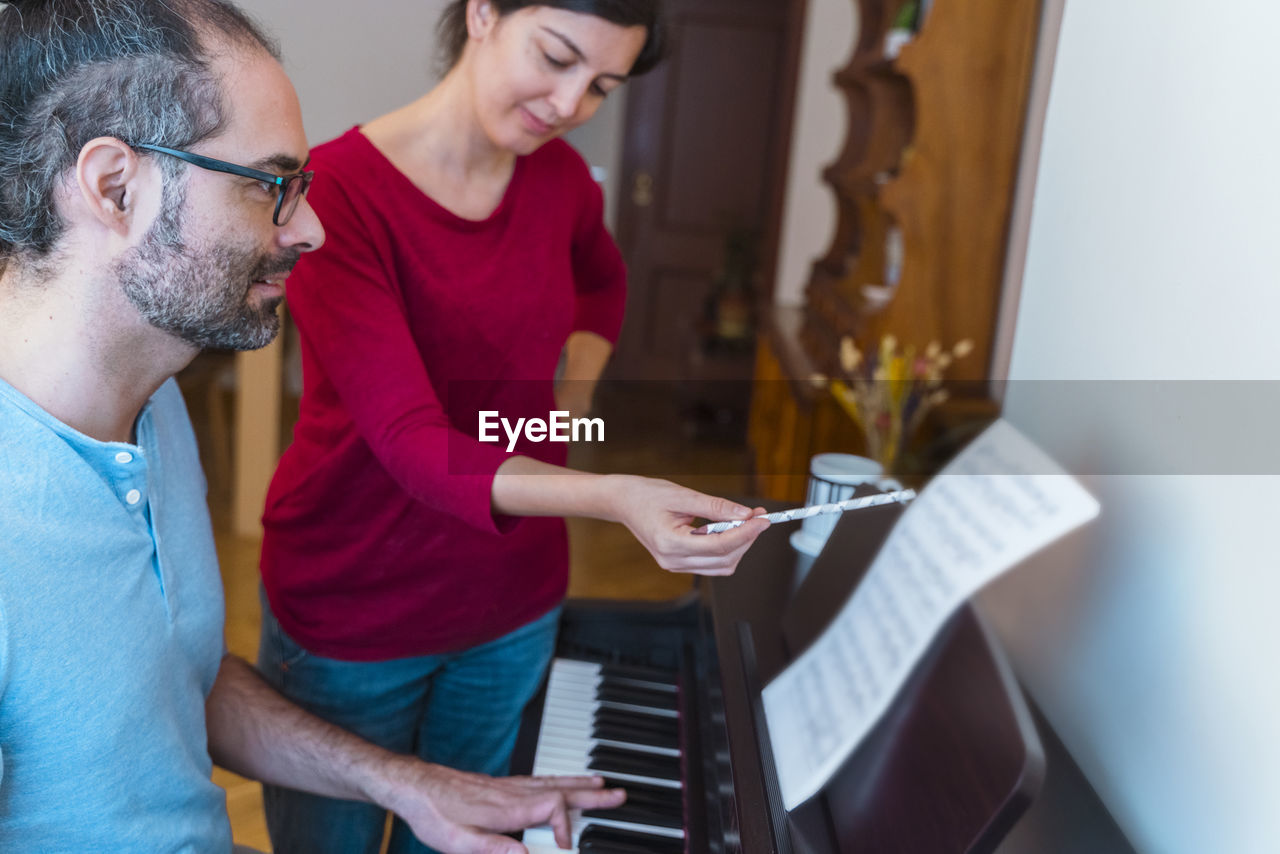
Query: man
124	249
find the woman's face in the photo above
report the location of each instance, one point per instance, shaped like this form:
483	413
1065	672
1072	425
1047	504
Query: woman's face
541	71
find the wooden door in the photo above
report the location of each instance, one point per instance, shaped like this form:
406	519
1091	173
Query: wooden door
705	150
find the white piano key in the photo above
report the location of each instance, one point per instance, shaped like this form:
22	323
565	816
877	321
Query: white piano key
580	672
585	743
545	840
565	742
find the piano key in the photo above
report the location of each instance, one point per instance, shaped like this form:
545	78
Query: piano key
646	710
610	847
637	696
598	834
624	723
610	759
584	708
644	790
608	840
631	735
576	701
651	675
571	741
599	676
670	805
584	728
580	825
636	672
639	815
652	723
552	757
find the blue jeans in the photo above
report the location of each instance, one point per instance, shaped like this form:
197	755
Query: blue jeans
457	709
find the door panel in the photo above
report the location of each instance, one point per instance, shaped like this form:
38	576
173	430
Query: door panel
704	150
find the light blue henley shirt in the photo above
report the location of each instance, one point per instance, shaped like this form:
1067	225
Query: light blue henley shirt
111	617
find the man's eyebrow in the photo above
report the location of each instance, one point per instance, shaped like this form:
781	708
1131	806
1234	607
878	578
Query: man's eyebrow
284	163
568	42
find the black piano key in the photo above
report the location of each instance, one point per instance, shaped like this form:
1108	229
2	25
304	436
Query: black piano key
636	696
659	804
622	761
647	791
637	672
634	735
633	720
656	760
656	798
643	684
599	839
638	812
638	815
613	848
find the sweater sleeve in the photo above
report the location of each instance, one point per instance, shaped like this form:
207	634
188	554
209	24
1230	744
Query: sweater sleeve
600	276
352	317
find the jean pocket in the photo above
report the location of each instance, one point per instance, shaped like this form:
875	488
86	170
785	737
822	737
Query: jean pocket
286	652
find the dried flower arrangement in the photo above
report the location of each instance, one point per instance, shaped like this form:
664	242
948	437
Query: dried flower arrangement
889	391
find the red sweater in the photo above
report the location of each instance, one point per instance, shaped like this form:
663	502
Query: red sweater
379	538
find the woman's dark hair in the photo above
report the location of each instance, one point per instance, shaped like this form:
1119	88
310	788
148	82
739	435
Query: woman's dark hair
452	28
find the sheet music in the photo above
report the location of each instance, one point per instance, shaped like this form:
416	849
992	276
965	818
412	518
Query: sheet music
1000	500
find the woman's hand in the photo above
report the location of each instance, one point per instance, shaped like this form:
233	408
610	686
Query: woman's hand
662	514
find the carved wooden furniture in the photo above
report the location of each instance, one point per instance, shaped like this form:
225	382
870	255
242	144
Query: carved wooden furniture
924	186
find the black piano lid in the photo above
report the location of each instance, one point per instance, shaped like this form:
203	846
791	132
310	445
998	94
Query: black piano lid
949	768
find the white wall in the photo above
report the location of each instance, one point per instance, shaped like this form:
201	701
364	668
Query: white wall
351	62
1150	639
821	119
599	141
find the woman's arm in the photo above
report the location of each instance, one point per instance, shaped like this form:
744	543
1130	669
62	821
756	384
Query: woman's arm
659	513
585	355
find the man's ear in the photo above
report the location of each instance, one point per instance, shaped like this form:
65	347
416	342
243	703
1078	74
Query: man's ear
481	17
107	176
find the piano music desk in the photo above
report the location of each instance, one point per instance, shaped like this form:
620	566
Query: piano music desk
953	763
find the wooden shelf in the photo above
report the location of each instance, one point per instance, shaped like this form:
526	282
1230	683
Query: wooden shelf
932	151
943	121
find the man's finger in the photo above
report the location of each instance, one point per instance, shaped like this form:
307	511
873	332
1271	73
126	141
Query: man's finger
559	821
470	841
584	781
597	799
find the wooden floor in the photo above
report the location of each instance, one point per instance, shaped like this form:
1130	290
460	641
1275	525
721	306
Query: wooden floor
651	438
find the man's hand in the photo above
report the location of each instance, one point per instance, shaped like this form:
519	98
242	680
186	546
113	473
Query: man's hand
257	733
462	813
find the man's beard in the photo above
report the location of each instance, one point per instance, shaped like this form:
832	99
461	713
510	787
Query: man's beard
201	293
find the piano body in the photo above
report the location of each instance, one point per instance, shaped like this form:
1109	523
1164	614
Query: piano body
664	698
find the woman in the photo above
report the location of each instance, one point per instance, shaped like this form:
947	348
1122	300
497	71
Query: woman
407	600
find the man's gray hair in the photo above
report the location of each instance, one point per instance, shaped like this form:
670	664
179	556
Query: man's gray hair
74	70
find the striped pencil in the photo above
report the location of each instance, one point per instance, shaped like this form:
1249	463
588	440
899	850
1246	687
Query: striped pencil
900	496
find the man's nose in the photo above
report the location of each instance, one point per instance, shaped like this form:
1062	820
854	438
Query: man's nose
303	231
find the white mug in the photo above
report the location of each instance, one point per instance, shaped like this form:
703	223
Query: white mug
832	477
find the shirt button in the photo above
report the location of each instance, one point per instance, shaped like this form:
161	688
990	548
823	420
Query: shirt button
133	496
124	457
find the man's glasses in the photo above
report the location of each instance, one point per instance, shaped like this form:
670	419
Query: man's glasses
289	188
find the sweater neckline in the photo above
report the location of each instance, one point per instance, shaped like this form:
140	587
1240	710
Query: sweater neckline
436	209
